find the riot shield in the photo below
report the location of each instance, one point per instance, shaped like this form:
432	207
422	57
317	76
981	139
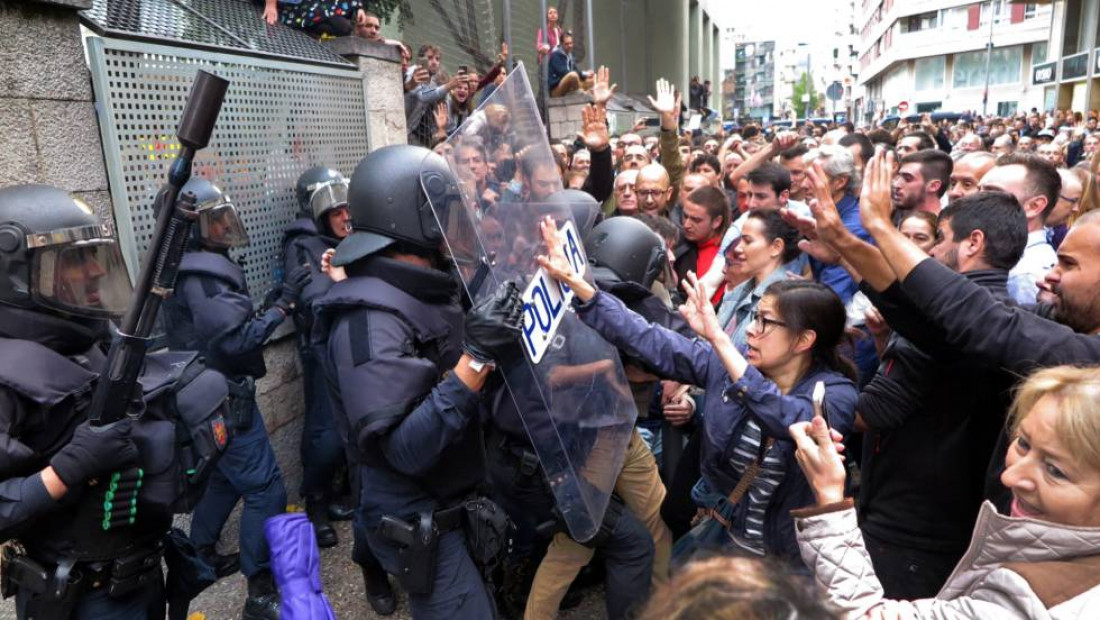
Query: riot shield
569	389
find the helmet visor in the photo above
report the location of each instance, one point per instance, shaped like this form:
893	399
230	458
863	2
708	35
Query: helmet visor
86	278
221	227
328	196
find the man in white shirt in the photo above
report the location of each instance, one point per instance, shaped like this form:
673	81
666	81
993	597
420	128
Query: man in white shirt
1036	184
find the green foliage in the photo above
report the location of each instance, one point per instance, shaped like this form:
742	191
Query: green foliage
801	87
388	9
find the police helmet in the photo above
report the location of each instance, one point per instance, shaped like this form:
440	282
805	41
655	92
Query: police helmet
55	255
219	225
395	195
586	211
320	190
623	249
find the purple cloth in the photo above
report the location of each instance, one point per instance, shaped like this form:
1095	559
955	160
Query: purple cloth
296	564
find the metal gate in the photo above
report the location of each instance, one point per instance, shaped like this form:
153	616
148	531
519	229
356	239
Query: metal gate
279	118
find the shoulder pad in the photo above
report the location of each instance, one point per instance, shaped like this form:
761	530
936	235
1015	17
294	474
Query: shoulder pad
428	321
39	373
215	265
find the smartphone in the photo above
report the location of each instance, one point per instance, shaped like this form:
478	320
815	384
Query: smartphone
462	69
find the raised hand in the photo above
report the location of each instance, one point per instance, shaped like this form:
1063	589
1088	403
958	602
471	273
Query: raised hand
441	114
595	134
875	204
784	140
820	459
665	103
829	225
601	92
698	311
557	266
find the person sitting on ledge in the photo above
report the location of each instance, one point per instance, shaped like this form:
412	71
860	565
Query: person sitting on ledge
564	76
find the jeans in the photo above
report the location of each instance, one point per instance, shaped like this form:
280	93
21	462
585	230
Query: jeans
246	470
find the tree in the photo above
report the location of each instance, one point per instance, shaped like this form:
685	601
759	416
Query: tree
802	87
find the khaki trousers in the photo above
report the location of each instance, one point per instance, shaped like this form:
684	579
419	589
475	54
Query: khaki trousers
640	487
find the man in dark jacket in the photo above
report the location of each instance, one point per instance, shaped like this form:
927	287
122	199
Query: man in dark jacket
405	370
211	312
563	76
932	420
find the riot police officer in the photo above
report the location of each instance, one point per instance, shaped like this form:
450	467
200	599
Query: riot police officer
211	312
324	221
406	368
322	195
61	279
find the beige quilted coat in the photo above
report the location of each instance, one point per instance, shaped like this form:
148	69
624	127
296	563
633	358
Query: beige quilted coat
1014	568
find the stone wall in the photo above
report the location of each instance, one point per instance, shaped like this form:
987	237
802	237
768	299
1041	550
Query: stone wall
565	119
48	125
380	66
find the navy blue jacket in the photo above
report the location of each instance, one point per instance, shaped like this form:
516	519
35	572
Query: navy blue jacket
694	362
303	245
211	312
561	64
416	431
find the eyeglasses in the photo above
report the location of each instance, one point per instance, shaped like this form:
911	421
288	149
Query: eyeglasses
646	194
624	188
763	325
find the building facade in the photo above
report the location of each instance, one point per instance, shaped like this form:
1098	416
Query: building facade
754	94
930	55
1069	74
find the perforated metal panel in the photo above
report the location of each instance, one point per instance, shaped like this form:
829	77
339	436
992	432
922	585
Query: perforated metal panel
230	24
278	119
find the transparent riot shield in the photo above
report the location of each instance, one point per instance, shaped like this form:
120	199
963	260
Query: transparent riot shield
569	389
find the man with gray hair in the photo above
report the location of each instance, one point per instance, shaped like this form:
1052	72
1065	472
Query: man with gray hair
842	180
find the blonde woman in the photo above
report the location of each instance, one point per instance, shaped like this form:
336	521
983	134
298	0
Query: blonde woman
1042	560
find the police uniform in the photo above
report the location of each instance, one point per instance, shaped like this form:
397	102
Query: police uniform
211	312
388	337
319	191
95	551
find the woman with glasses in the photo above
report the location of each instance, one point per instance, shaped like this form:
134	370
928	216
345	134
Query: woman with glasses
767	243
750	480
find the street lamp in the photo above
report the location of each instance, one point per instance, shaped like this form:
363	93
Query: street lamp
988	61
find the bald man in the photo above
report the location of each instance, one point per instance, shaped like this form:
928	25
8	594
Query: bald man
653	189
635	157
967	173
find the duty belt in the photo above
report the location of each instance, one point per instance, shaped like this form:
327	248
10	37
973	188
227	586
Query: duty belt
56	587
527	462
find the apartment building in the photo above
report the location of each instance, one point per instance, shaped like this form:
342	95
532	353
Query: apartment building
929	55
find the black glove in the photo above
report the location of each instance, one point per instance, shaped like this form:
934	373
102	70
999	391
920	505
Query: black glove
293	285
494	324
95	450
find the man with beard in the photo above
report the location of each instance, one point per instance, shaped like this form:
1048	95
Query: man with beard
920	182
917	513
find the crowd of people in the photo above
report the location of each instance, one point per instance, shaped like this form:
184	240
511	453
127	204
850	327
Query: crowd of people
863	365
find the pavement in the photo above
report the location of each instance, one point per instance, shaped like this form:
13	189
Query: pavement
343	584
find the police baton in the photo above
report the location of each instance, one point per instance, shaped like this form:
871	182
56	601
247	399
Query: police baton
160	265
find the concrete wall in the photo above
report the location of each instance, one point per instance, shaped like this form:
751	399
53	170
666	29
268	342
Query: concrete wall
380	66
47	118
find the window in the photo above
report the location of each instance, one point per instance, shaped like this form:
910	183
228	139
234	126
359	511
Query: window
929	73
916	23
1006	108
929	107
1002	12
1030	10
1004	68
1038	53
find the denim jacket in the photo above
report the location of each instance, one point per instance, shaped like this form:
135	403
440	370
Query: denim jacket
694	361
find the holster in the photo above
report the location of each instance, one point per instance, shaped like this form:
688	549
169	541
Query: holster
242	400
488	531
611	516
417	550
